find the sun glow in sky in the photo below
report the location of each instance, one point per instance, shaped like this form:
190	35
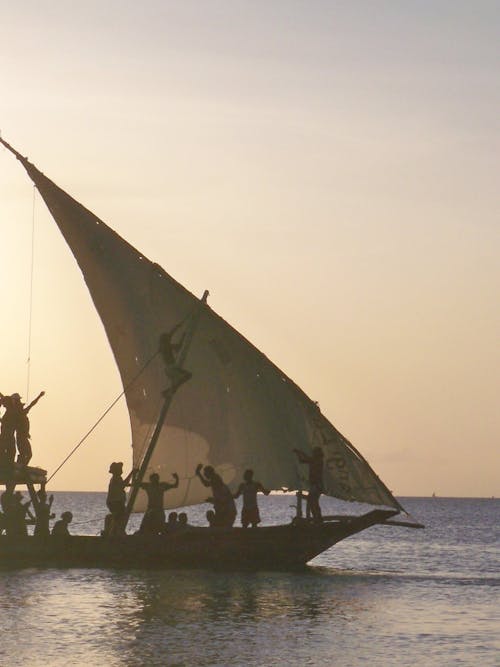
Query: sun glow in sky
329	171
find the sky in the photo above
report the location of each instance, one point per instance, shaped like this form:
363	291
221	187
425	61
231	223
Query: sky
328	170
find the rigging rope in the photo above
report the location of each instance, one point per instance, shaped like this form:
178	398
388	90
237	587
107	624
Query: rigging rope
81	523
102	417
30	315
112	406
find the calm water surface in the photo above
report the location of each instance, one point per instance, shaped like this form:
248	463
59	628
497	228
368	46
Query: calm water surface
389	596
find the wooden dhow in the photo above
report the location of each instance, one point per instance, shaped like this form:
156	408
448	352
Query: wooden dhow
230	408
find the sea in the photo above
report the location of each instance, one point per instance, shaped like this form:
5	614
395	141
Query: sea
387	596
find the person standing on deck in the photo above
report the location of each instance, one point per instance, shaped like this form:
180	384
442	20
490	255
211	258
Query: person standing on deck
249	489
15	514
116	498
222	498
43	514
8	431
315	463
114	523
23	427
154	518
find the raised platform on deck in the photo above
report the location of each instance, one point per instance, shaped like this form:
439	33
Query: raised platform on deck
20	474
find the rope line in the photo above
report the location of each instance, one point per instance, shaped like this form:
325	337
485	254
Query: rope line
30	315
101	417
81	523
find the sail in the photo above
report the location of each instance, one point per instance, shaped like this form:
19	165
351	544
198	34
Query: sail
238	410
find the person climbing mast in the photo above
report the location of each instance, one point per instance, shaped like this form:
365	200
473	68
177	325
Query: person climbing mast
169	353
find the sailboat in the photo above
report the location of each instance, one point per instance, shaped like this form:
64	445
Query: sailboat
233	409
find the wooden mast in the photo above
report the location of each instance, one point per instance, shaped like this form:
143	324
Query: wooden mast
169	394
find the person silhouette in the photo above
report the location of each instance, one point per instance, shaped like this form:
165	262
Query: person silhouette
8	431
116	499
16	512
154	517
249	489
169	352
315	463
43	514
222	498
22	427
60	528
172	523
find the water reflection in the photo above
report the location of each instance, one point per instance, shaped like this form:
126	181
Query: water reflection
99	617
235	619
163	618
252	597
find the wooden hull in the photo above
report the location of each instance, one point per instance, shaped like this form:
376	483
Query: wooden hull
268	548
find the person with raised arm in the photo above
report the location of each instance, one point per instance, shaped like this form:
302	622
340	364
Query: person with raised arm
154	518
222	498
22	427
17	513
43	513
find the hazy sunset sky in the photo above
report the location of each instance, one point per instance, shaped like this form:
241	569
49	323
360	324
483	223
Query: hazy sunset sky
328	170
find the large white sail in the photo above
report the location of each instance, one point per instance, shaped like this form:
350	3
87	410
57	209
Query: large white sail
238	411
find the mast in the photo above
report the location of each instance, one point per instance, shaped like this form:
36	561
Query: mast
169	395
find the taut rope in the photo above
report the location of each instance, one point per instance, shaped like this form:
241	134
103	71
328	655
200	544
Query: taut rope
102	417
30	315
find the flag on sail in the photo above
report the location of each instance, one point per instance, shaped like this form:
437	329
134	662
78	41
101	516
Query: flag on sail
237	411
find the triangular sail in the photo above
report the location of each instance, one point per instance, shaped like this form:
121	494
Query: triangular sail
238	411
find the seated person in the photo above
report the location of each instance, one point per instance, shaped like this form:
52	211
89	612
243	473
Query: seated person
60	528
171	524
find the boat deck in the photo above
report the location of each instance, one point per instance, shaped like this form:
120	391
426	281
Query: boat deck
284	547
